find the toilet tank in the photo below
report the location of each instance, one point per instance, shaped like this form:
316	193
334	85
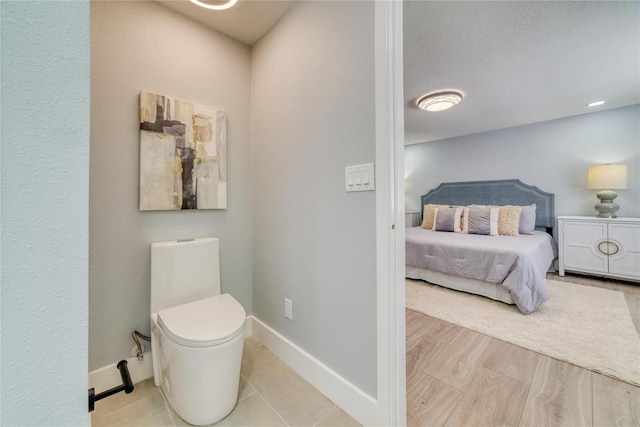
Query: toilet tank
183	271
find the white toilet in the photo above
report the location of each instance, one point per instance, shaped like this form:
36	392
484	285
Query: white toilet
197	334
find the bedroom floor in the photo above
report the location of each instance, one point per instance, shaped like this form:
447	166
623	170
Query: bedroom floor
457	377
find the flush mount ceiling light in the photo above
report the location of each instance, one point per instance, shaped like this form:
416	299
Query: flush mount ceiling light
439	101
215	5
595	104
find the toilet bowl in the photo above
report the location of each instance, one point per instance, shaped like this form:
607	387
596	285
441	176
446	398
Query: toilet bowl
197	334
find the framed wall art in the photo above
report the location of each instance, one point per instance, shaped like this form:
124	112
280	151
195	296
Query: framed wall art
183	155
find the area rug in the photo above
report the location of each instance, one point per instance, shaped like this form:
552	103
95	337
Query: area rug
585	326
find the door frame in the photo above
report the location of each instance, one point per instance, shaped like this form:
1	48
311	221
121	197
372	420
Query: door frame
390	213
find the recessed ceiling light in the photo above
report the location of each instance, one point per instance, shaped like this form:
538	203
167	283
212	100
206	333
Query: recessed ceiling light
595	104
439	101
215	5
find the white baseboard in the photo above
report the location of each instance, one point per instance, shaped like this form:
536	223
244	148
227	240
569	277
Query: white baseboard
248	327
359	405
109	376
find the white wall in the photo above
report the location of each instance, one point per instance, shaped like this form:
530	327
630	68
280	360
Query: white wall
553	155
312	115
145	46
44	211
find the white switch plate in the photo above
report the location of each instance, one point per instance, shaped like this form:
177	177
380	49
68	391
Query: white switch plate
288	309
359	178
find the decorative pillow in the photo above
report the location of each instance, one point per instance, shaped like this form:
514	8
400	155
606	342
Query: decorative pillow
478	220
527	219
447	219
509	220
427	221
493	221
457	225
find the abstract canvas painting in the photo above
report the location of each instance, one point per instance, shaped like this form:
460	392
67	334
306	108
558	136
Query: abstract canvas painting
183	155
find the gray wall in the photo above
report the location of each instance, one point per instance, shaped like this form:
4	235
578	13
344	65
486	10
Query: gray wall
553	155
145	46
44	185
312	115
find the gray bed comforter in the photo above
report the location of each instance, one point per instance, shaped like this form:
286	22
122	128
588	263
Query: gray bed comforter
519	263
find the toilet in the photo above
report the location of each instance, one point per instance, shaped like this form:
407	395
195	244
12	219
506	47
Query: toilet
197	333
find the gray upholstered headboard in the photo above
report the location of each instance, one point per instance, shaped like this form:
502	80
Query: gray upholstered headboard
501	192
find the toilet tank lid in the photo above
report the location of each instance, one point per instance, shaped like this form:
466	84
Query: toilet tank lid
203	323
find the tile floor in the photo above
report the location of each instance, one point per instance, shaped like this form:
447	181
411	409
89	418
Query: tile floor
270	394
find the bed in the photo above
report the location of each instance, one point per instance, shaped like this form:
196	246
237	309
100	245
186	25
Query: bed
507	268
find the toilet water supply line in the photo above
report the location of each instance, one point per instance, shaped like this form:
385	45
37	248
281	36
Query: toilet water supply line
139	350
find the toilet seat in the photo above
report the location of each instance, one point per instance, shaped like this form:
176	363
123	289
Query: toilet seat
203	323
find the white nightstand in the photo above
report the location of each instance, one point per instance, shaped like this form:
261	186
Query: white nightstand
411	219
607	247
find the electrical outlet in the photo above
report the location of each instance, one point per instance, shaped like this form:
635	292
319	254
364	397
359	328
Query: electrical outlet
288	309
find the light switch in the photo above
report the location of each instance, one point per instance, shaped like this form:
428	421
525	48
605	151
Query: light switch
359	177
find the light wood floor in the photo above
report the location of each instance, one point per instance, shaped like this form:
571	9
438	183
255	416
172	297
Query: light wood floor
458	377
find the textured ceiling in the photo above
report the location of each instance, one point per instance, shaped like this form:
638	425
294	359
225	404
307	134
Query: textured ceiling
517	62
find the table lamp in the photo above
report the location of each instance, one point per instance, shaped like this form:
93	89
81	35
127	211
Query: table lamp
607	178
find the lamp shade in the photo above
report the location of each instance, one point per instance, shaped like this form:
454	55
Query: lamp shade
608	177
